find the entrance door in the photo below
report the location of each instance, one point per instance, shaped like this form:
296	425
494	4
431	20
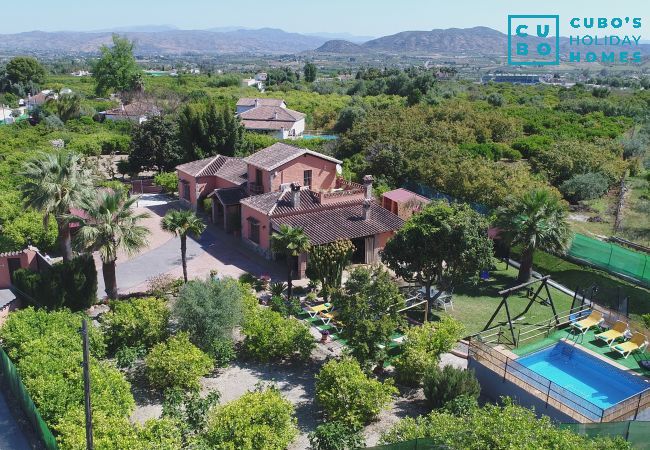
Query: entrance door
370	249
14	264
359	254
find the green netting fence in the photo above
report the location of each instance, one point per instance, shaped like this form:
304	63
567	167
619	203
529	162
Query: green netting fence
11	380
612	258
637	433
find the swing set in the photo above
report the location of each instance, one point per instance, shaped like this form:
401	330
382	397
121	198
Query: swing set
535	297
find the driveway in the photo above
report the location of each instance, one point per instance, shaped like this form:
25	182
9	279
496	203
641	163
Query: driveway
214	250
12	435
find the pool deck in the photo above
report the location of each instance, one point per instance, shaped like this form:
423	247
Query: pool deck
592	346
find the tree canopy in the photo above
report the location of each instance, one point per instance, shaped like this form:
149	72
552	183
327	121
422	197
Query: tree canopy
116	69
25	69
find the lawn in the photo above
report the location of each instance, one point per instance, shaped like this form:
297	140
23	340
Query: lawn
610	288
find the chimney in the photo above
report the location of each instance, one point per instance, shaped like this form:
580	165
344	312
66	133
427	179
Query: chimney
367	183
275	115
257	103
366	209
295	195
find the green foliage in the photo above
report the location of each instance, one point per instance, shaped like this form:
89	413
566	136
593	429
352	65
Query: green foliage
310	71
183	223
277	289
25	69
327	262
461	405
225	80
422	349
446	244
290	242
348	117
206	130
336	436
259	420
346	393
126	357
155	146
495	99
188	410
168	181
444	385
68	284
209	311
494	427
46	348
585	186
27	229
269	336
177	363
367	308
136	322
116	70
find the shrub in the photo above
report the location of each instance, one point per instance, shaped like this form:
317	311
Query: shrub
209	310
336	436
125	357
177	363
444	385
136	322
462	405
188	410
168	181
223	352
346	393
277	289
259	420
164	285
586	186
270	336
71	284
422	349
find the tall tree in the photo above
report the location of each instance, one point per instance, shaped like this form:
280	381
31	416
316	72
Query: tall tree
68	106
116	69
310	72
181	223
108	226
154	145
368	306
56	183
327	262
25	69
290	242
536	220
443	244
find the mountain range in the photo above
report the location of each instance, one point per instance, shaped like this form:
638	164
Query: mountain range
168	40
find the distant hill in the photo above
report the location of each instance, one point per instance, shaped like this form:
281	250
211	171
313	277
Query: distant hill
343	36
165	41
477	40
339	46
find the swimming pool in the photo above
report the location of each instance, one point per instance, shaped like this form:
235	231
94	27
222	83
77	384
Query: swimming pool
584	375
327	137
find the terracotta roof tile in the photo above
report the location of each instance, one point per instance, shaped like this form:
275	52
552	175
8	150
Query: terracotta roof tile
272	157
234	170
272	113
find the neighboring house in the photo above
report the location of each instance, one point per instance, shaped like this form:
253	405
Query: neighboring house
135	112
270	116
403	202
32	101
246	103
262	76
248	82
285	184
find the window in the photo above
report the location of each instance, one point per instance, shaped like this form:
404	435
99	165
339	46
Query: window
258	177
307	178
254	232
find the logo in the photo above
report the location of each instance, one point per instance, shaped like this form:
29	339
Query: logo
533	40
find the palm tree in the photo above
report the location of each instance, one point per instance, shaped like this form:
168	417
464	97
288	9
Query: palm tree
111	225
56	183
290	242
536	220
182	223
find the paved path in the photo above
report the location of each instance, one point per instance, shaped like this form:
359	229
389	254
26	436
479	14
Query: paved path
11	434
215	249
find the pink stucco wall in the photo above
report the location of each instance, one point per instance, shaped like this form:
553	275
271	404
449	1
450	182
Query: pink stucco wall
265	227
323	172
211	183
27	260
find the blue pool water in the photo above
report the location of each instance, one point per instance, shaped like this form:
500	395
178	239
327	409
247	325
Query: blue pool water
327	137
584	375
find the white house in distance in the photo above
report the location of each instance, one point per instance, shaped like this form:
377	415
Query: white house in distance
135	112
270	116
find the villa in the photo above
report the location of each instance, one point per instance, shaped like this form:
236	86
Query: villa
270	116
287	185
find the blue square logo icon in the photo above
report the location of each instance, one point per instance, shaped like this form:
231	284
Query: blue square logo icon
533	40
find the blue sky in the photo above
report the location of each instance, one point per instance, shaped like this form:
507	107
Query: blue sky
360	17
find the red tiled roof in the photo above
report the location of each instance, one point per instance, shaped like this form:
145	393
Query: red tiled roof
346	221
274	156
403	195
234	170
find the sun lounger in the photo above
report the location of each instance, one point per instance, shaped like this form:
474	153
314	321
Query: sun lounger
313	311
637	342
611	335
327	317
595	318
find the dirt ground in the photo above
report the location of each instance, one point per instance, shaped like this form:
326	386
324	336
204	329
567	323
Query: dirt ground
296	383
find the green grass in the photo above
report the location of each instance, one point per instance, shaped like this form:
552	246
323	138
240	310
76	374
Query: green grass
474	305
609	287
590	342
